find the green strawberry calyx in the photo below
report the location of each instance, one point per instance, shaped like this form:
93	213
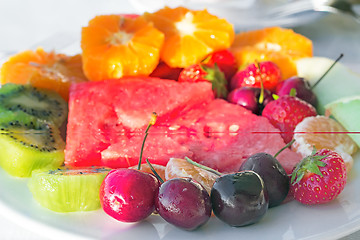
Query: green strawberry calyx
292	93
217	79
309	164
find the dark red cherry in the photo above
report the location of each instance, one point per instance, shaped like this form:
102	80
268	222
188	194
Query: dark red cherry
302	87
183	203
239	199
275	178
248	97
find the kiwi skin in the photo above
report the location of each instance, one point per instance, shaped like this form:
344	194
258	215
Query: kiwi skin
27	143
68	189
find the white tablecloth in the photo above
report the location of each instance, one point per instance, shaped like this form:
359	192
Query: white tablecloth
56	24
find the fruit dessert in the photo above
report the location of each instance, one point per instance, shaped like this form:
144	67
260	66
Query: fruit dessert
190	123
228	110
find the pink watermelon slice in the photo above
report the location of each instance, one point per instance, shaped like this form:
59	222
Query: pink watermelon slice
232	134
103	117
107	121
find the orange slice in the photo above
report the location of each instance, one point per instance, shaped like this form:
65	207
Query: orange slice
282	46
190	35
177	167
312	132
42	69
114	46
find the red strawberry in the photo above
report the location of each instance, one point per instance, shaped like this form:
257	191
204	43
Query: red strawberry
318	178
286	112
200	73
251	76
166	72
225	61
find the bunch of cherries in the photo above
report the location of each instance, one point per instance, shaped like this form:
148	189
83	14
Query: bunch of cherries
238	199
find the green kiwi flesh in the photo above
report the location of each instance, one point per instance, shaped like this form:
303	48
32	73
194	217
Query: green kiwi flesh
68	190
43	104
27	143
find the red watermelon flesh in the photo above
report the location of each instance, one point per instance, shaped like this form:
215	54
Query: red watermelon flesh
86	137
159	147
104	114
168	99
107	121
232	134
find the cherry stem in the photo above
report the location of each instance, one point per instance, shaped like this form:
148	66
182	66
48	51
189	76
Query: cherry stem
154	171
261	97
151	122
332	65
203	167
285	147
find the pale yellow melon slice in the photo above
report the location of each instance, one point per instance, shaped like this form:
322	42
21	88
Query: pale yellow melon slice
340	82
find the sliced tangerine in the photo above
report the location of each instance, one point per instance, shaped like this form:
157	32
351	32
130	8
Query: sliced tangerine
177	167
114	46
190	35
282	46
323	132
41	69
146	168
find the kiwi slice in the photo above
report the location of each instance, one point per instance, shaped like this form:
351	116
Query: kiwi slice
68	189
43	104
27	143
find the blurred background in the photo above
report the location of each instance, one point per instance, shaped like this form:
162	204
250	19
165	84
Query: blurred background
57	24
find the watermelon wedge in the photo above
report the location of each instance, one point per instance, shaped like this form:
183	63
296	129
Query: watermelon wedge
107	121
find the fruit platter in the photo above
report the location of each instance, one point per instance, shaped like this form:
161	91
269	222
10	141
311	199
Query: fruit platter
170	124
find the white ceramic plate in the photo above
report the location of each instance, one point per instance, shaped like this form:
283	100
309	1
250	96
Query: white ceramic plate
288	221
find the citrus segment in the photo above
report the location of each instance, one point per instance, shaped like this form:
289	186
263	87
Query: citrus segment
177	167
41	69
190	35
114	46
323	132
275	39
281	46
